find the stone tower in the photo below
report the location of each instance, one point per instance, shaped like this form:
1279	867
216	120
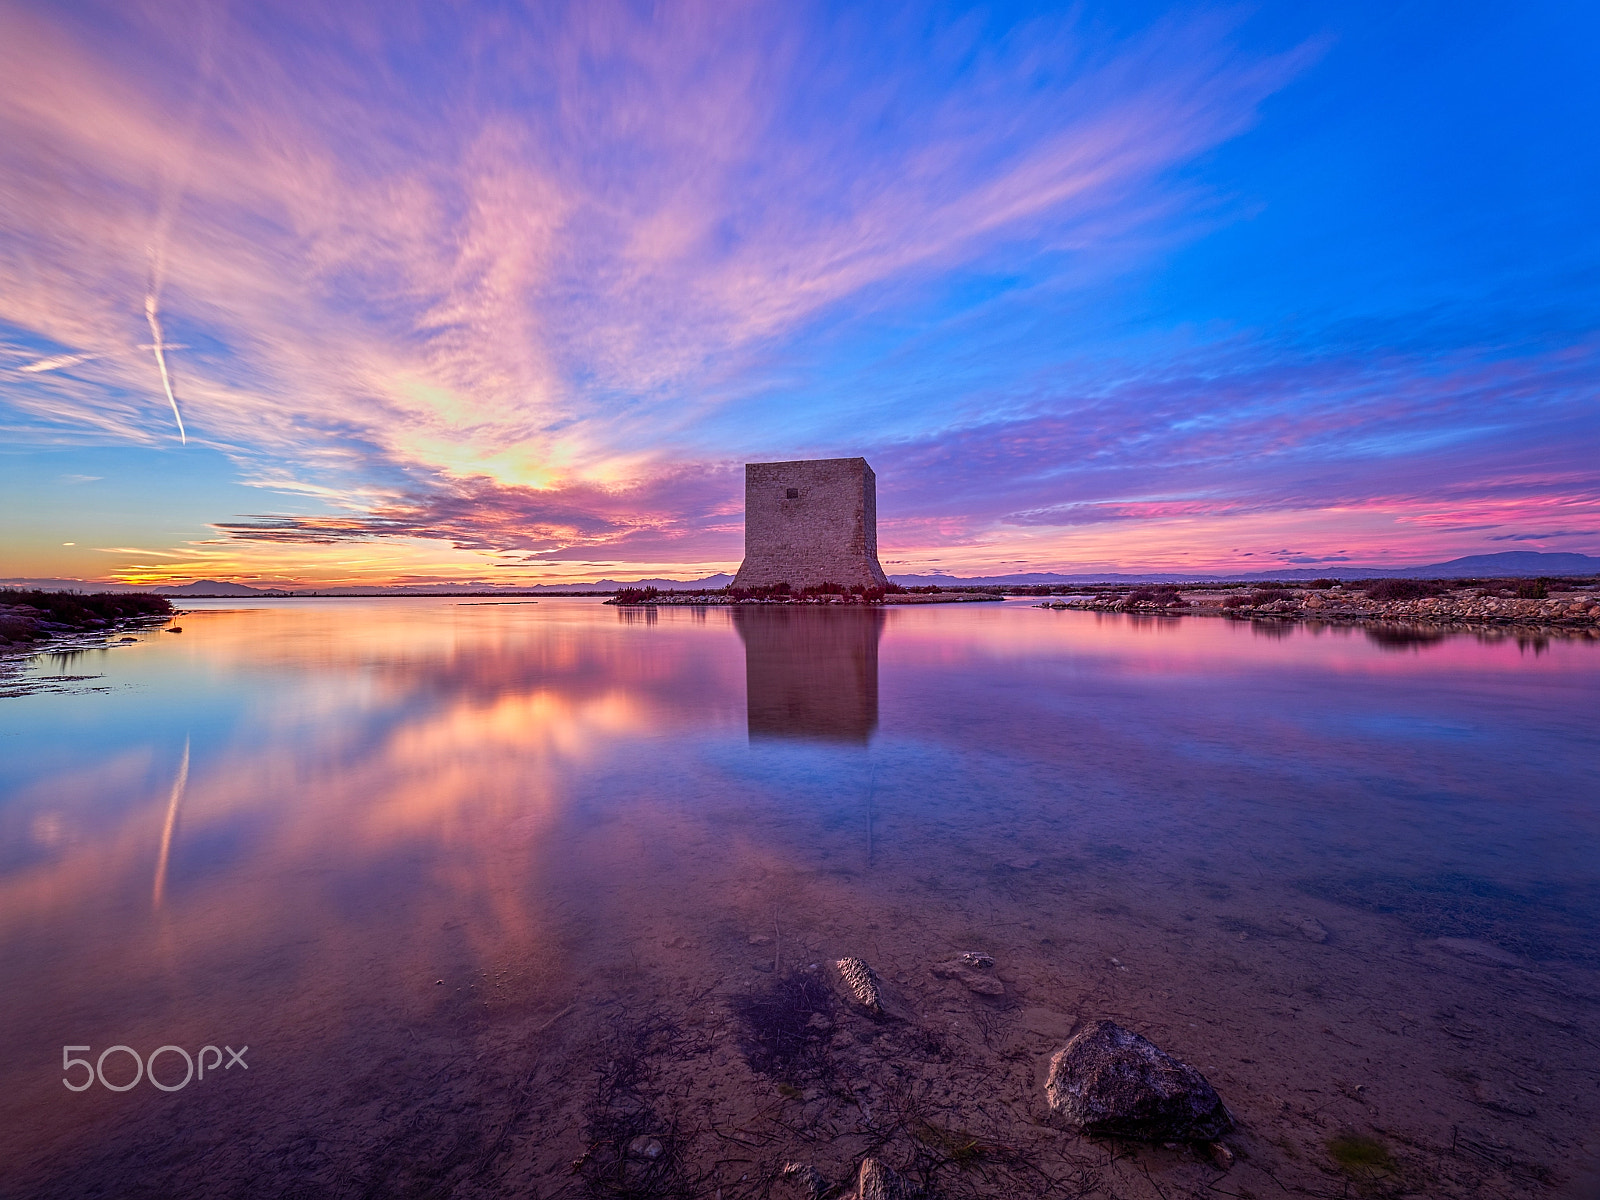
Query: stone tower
810	522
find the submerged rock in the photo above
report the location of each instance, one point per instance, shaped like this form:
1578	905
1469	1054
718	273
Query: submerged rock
879	1182
1307	927
1107	1081
971	968
804	1180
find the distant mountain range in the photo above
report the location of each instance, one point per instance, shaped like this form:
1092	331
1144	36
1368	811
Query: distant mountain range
1509	563
211	587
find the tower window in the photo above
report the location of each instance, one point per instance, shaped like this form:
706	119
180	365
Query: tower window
792	494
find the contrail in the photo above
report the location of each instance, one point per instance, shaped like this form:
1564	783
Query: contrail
173	801
161	359
167	201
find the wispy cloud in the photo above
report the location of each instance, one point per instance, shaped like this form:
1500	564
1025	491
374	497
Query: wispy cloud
56	362
1543	537
690	514
1133	464
466	270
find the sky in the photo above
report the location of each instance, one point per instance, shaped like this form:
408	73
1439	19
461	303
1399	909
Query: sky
308	294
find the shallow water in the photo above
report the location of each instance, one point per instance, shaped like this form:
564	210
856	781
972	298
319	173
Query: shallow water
488	889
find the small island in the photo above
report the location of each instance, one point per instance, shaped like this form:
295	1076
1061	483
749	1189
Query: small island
822	593
1564	604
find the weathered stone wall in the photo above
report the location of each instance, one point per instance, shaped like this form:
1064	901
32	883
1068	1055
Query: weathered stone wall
810	522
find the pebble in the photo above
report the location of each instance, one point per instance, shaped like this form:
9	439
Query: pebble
645	1146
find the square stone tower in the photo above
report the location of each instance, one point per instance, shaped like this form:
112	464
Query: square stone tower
810	522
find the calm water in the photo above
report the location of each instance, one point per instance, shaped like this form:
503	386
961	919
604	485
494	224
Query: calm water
490	889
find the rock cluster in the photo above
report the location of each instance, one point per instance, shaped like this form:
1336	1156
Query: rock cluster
1576	608
22	623
28	617
876	1180
1104	1082
722	599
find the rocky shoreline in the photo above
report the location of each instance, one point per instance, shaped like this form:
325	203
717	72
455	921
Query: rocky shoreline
67	623
1563	607
33	620
725	600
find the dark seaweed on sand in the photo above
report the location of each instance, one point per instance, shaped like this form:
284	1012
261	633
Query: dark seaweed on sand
780	1036
624	1108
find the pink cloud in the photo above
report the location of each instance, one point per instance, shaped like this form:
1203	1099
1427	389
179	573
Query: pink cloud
364	274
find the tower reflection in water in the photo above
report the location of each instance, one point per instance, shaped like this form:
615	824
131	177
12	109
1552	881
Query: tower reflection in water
811	672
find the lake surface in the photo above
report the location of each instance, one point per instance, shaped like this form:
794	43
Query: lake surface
493	892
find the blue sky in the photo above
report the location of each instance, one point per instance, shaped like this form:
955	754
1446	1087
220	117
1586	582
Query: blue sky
509	293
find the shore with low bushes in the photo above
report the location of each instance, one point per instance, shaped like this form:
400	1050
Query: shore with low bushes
826	594
1570	604
29	617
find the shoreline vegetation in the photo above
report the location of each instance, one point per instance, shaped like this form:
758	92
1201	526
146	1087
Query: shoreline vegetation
782	593
1568	605
30	617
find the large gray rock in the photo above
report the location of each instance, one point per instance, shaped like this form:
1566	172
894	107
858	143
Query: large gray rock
1108	1082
